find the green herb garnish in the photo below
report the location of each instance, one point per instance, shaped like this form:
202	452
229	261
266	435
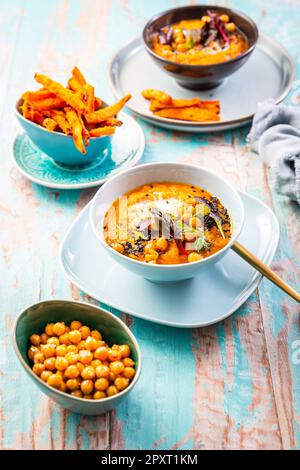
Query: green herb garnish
189	42
201	243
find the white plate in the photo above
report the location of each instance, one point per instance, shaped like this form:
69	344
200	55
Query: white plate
269	73
201	301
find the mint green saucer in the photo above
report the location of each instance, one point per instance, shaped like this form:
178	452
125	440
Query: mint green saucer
125	150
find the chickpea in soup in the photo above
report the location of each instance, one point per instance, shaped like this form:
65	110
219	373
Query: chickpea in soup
212	39
167	223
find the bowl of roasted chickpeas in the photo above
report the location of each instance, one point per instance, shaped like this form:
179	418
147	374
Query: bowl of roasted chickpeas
79	355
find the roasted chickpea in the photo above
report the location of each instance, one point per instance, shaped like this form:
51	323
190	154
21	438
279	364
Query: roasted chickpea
102	371
181	47
77	393
55	380
49	329
99	395
39	357
50	363
38	368
116	367
59	328
81	345
230	27
72	372
121	383
112	390
128	362
75	325
95	363
64	339
114	355
35	340
125	350
88	373
194	257
206	18
72	358
87	386
224	18
53	340
80	366
96	334
85	332
85	356
152	255
61	363
63	387
101	384
128	372
45	375
61	350
112	376
74	336
91	343
161	244
49	349
44	338
101	353
32	351
73	384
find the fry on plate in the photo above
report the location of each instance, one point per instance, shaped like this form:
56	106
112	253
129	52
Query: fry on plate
161	96
73	110
193	113
193	109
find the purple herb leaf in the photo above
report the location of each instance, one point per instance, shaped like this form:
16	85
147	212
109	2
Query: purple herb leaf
162	38
169	35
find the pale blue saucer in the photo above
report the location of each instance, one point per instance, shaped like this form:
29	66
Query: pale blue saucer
208	298
125	150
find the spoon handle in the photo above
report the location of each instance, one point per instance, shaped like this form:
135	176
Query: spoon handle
264	270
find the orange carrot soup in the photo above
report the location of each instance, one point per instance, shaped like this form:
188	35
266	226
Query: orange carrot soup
208	40
167	223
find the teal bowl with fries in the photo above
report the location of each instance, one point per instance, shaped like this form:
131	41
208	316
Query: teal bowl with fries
60	147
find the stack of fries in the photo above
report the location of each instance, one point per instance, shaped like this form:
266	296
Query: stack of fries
195	109
73	110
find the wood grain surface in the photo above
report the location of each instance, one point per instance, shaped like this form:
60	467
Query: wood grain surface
232	385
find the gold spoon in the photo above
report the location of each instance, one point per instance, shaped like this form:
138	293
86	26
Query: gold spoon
264	270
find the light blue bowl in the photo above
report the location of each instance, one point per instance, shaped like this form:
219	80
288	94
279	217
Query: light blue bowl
33	320
59	146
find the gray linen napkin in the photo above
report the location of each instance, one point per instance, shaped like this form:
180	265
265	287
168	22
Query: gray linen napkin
275	136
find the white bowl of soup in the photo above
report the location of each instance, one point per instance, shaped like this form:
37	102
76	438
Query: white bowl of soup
166	222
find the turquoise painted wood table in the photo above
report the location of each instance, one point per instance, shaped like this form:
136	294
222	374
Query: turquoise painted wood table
232	385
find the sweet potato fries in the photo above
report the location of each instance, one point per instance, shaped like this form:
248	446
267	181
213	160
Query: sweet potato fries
194	109
73	110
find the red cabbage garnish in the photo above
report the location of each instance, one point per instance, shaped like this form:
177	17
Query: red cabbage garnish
213	17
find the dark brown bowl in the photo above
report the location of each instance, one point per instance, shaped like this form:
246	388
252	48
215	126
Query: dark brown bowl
200	77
